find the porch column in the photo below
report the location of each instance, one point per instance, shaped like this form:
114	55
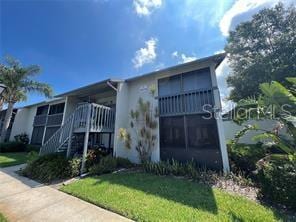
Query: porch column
86	136
70	136
219	121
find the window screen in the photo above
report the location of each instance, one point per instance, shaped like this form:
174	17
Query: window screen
190	137
56	109
199	79
202	133
168	86
42	110
37	135
172	132
49	132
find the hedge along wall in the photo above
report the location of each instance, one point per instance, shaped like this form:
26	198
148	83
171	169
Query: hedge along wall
231	128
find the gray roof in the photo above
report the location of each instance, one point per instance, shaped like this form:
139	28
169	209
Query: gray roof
102	85
94	86
217	59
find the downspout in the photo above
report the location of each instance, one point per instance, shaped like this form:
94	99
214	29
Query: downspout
109	83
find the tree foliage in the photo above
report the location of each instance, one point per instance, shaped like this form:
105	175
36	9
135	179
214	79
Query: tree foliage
277	102
19	82
262	50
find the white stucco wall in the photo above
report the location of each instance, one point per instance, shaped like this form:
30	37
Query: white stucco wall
23	122
127	98
220	128
231	128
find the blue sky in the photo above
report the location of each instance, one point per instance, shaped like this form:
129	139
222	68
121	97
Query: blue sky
83	41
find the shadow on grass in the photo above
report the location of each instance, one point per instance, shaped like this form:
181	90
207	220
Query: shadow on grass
181	191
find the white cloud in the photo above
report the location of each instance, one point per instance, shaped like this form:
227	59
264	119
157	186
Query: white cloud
243	10
175	54
204	13
182	58
187	58
145	7
145	55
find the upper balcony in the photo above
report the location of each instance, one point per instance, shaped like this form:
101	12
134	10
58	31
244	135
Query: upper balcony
48	120
102	118
40	120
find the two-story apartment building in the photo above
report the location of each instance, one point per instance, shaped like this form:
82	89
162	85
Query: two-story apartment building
188	127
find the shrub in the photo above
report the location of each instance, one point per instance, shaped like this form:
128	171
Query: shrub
106	165
277	180
73	168
123	162
189	169
30	147
8	147
22	138
94	156
52	167
243	157
32	156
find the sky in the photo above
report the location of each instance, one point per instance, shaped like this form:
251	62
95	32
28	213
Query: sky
79	42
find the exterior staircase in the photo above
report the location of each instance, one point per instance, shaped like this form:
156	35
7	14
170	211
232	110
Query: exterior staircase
85	118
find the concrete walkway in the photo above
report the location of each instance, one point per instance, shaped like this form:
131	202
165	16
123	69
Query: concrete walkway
25	200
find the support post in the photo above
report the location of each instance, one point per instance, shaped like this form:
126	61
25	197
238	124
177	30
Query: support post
110	136
70	136
86	136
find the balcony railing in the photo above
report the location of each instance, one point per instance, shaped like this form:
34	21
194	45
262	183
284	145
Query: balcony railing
197	101
55	119
102	118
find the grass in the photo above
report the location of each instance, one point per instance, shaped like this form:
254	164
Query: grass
11	159
2	218
146	197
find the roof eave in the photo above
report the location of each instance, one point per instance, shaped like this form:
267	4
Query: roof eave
217	59
88	86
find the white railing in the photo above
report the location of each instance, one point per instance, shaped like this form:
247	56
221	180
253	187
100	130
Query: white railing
61	136
102	118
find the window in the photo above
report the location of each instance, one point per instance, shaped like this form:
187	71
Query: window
200	79
170	85
49	132
202	133
172	132
185	93
56	109
42	110
37	135
194	80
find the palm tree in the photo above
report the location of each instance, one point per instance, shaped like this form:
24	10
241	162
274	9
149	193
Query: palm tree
19	82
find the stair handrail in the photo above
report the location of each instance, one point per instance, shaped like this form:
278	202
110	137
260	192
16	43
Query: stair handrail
101	117
60	137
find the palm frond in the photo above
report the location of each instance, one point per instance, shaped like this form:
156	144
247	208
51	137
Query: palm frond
38	87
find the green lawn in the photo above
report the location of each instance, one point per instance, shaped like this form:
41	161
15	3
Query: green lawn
146	197
11	159
2	218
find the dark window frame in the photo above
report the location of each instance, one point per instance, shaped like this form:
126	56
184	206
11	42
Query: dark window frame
182	76
42	110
